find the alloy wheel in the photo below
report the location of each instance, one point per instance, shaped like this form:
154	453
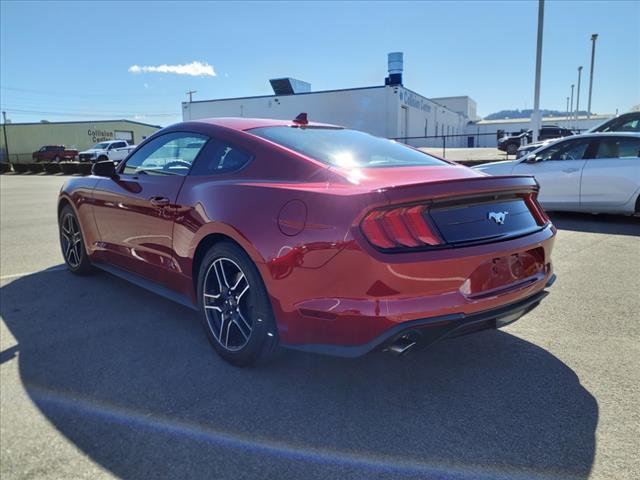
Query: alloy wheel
226	303
71	240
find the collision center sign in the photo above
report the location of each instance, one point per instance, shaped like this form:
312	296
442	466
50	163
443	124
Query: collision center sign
100	135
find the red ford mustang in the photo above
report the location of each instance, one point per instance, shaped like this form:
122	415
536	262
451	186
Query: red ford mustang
311	236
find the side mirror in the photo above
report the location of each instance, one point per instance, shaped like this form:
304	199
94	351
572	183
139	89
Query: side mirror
106	168
532	159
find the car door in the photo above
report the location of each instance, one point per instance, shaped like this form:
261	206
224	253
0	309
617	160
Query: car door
135	211
115	153
549	132
557	169
612	177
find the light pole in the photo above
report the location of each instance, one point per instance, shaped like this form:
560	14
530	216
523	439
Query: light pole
4	131
571	110
568	124
578	99
535	116
594	37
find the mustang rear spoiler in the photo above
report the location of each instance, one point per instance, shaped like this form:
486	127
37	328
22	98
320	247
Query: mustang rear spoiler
461	188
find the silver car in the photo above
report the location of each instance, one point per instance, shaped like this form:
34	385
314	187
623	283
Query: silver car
592	172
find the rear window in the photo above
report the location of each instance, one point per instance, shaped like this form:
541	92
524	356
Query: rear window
345	148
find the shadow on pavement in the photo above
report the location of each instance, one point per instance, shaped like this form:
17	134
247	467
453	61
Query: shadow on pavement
586	222
130	379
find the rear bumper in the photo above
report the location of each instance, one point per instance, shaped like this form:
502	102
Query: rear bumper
429	330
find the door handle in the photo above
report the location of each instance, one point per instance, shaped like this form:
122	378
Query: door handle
570	170
159	201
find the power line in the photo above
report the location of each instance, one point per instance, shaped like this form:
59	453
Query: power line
89	107
76	95
94	114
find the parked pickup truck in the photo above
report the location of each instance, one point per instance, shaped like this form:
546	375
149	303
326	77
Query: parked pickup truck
511	143
115	150
54	153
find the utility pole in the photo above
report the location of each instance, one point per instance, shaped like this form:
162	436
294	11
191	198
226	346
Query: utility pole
578	99
190	93
571	110
535	116
594	37
4	131
568	124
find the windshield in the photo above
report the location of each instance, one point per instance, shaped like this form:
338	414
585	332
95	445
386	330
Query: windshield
100	146
624	123
346	148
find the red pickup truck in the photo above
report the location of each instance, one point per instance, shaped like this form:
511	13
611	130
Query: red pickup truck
54	153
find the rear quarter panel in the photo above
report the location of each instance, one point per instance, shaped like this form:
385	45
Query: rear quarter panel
254	215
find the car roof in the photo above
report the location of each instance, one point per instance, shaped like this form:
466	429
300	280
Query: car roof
243	123
605	135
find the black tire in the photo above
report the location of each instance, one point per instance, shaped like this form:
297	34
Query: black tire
512	149
243	312
102	158
75	256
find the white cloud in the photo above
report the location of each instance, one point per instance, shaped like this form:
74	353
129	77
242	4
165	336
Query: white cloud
195	69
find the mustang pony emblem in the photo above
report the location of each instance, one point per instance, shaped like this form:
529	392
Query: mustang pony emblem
498	217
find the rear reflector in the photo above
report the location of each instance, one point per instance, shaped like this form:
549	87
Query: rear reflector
398	228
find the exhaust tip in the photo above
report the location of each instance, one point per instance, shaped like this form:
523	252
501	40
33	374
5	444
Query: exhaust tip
404	343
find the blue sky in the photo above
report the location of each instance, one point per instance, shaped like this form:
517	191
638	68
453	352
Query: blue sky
72	60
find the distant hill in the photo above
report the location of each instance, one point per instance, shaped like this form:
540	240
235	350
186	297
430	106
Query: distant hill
505	114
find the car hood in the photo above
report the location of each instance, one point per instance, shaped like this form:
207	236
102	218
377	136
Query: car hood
497	168
92	150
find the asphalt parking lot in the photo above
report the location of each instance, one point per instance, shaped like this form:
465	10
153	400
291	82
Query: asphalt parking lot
100	379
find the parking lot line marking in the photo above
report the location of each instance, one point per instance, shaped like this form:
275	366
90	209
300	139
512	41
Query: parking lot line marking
24	274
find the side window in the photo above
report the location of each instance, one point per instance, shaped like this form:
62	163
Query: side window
618	148
571	150
170	154
220	157
631	126
622	125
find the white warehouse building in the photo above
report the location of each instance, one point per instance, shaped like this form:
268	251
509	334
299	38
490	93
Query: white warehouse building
389	110
487	131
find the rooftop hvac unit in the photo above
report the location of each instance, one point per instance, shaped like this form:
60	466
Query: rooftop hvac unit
289	86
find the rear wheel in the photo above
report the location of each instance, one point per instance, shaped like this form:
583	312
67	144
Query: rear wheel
72	242
512	149
235	308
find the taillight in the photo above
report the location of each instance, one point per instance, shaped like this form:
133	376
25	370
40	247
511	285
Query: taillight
537	211
400	227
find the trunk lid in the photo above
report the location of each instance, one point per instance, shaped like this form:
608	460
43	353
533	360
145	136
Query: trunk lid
462	208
